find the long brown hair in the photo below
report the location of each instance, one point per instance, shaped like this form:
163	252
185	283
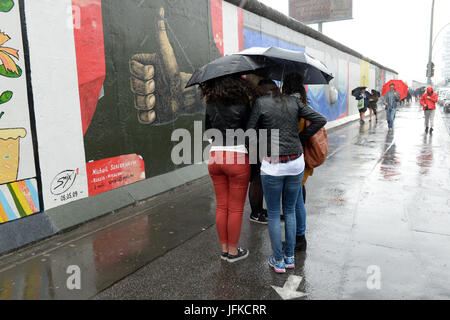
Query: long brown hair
293	83
227	90
267	86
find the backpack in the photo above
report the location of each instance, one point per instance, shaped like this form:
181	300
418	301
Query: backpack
316	148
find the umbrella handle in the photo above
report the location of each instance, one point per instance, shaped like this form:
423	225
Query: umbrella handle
282	76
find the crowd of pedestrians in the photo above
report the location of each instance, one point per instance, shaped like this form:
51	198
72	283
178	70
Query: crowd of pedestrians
278	175
392	100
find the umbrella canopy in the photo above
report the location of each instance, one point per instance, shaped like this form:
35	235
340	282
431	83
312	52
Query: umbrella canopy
357	91
376	92
283	62
225	66
400	87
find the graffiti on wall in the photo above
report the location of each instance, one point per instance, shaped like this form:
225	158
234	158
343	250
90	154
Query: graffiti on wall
125	67
90	52
148	61
158	84
18	186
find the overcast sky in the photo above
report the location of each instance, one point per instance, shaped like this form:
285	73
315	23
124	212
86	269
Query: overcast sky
395	33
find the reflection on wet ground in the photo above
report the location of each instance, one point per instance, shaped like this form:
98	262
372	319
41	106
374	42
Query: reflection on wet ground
108	249
390	162
381	200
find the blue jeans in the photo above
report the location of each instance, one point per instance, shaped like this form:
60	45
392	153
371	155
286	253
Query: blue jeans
276	188
300	211
390	116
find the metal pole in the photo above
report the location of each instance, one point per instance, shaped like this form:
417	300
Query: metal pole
430	56
321	25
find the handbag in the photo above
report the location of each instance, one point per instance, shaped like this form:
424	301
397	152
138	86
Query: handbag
316	148
360	104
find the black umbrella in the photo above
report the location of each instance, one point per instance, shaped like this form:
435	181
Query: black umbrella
374	91
283	62
228	65
357	91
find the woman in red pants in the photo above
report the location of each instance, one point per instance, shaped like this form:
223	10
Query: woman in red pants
228	109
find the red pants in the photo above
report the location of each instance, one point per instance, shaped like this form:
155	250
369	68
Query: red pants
230	180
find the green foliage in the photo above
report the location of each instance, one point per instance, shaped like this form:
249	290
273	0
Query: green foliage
9	74
5	96
6	5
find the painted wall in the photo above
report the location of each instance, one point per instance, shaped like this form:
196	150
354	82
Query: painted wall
91	90
18	183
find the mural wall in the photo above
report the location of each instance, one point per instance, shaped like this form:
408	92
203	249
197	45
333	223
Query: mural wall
108	81
18	183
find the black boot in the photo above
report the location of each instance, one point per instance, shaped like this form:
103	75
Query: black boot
301	243
426	130
265	212
431	130
258	217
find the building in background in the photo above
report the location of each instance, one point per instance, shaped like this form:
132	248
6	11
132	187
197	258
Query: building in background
319	11
446	58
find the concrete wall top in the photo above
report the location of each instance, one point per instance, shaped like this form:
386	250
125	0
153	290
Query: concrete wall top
262	10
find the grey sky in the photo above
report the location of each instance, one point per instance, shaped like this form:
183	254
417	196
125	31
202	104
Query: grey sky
394	33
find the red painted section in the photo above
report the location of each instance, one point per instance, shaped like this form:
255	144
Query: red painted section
241	28
217	24
109	174
90	51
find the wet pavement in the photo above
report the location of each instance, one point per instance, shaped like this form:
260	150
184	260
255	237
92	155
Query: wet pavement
378	228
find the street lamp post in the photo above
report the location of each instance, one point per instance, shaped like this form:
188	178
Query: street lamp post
430	56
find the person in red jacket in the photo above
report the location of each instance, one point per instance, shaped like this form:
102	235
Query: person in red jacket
428	102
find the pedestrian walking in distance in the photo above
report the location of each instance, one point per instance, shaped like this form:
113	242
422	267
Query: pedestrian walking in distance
363	104
428	102
228	107
373	100
392	99
282	171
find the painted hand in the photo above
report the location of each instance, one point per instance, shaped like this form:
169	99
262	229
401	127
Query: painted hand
157	83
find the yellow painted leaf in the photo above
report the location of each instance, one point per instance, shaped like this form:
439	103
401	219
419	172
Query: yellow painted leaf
3	38
10	51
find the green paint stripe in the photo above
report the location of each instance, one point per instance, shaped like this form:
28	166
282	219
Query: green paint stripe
17	202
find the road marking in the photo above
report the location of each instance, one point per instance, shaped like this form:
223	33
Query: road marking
289	290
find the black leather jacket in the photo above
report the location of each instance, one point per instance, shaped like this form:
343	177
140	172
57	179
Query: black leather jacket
222	117
271	113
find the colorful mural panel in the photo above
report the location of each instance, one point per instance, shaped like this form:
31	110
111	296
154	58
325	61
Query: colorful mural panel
116	89
331	100
145	99
18	199
365	74
18	186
